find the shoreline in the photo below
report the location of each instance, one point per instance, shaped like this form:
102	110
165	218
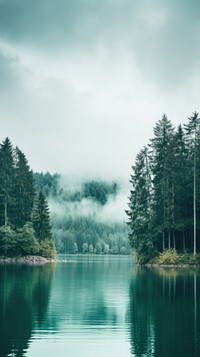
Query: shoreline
28	259
39	260
187	266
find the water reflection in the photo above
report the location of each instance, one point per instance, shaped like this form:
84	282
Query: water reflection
88	290
24	296
86	315
99	306
164	313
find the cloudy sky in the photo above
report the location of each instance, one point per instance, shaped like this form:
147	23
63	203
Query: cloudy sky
83	82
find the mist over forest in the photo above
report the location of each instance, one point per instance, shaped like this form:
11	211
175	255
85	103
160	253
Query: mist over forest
86	216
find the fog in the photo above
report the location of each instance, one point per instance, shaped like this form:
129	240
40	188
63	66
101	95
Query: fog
112	211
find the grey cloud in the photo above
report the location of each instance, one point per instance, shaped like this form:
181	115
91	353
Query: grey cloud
166	51
163	36
8	75
50	23
14	88
91	75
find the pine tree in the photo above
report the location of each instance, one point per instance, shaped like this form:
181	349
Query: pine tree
162	153
140	205
182	188
192	131
41	218
42	226
24	191
175	191
6	180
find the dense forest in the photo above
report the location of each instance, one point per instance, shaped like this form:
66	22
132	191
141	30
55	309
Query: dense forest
164	202
78	224
75	224
24	214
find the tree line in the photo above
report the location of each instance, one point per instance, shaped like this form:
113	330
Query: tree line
95	190
164	201
24	213
82	232
87	235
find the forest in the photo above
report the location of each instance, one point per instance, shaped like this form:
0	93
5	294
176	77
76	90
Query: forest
164	202
78	223
25	227
42	213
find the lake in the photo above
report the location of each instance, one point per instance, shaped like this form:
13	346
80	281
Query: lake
98	306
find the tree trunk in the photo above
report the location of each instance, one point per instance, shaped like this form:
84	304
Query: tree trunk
174	239
169	240
195	228
184	248
163	241
6	213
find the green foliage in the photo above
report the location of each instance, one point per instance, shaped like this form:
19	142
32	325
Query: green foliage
7	175
98	248
51	186
165	189
23	242
8	241
24	191
47	183
98	191
26	242
188	258
41	218
172	257
85	248
91	248
17	193
73	233
85	231
169	256
47	249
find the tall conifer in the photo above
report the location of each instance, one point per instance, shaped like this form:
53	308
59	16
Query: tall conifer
24	191
6	180
193	131
162	153
140	205
41	218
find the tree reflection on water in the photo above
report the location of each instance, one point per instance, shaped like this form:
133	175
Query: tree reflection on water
24	296
164	313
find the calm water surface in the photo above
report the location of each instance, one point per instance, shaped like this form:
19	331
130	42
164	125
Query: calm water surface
99	306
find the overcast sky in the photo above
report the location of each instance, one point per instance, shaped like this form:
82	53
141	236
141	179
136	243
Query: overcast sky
83	82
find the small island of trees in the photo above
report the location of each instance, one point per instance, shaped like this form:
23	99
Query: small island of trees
164	202
24	214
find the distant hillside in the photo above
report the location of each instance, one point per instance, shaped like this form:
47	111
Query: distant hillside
85	217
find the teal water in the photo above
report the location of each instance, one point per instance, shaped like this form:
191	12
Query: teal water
99	306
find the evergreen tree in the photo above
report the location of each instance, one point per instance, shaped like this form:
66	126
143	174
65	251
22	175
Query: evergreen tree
192	131
8	241
6	181
140	205
41	218
182	188
162	146
175	192
24	191
42	227
17	192
27	244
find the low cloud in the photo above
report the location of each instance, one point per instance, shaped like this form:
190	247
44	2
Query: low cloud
113	211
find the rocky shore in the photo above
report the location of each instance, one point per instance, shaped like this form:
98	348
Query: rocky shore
29	259
172	266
